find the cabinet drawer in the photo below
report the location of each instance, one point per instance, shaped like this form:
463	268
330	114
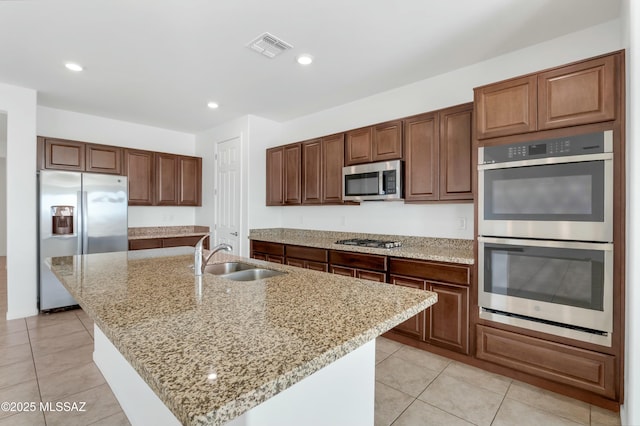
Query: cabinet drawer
359	260
581	368
147	243
431	271
266	247
308	253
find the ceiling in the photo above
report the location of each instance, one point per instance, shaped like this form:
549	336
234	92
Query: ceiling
160	62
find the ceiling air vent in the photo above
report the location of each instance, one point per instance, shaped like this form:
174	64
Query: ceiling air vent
269	45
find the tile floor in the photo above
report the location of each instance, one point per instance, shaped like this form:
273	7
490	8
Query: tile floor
49	358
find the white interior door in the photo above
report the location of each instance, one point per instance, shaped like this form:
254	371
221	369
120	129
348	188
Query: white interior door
227	195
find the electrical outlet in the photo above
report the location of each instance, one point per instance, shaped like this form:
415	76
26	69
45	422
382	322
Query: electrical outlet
461	223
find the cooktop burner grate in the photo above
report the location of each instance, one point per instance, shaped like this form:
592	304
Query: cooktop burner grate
363	242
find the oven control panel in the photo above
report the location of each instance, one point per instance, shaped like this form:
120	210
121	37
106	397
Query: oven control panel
591	143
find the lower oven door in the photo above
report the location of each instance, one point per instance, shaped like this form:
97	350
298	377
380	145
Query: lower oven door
548	285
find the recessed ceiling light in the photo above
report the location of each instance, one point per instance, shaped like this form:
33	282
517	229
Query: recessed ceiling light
73	67
304	59
213	105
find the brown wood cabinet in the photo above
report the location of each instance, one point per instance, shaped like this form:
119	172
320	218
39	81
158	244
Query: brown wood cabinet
581	368
439	155
312	172
150	243
139	167
357	146
421	164
456	168
445	324
60	154
166	179
580	93
284	171
332	163
189	181
268	251
103	159
307	257
381	142
370	267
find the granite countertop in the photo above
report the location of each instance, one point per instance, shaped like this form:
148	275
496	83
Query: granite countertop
142	233
259	337
423	248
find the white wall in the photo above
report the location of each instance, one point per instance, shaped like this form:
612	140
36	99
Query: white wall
20	106
438	92
630	411
255	135
3	184
90	128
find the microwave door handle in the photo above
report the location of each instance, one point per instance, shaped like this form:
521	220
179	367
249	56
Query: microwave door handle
380	183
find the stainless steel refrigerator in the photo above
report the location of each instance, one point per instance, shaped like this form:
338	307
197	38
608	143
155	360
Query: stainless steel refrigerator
79	213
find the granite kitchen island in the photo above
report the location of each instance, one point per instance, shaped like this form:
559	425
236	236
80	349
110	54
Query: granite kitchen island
215	351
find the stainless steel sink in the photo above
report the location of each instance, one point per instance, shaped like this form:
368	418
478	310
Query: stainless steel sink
227	267
252	274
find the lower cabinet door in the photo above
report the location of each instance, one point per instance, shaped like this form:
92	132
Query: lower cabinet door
414	326
259	256
295	262
448	322
371	275
341	270
317	266
275	259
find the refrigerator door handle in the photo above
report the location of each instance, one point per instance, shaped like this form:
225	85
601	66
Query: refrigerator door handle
79	222
85	222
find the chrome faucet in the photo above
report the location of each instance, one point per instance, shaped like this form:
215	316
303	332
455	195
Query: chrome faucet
200	261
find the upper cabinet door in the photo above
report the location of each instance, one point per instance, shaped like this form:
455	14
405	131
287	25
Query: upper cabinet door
332	163
506	108
292	174
312	172
456	169
103	159
166	179
358	146
387	141
64	155
190	181
578	94
139	168
275	176
421	165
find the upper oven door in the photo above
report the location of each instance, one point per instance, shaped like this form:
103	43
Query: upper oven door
563	198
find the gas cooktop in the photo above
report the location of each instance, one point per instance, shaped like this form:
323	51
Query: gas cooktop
362	242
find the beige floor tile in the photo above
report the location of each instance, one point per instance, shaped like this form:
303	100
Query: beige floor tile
116	420
18	372
388	345
422	358
12	339
63	360
404	376
23	392
13	354
46	320
53	344
390	403
560	405
475	376
469	402
100	404
381	356
56	330
61	384
28	418
80	313
422	414
602	417
513	412
12	326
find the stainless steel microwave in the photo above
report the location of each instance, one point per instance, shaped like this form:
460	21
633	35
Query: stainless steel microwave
373	181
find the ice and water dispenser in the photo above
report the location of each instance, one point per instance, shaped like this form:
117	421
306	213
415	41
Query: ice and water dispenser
62	220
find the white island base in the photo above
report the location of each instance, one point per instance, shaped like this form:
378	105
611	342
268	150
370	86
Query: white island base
342	393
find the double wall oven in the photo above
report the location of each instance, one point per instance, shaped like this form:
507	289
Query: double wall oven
545	245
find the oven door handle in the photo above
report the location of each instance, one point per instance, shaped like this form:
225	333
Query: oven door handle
545	161
547	243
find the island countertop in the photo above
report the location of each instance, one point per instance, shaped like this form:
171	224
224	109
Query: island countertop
258	337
